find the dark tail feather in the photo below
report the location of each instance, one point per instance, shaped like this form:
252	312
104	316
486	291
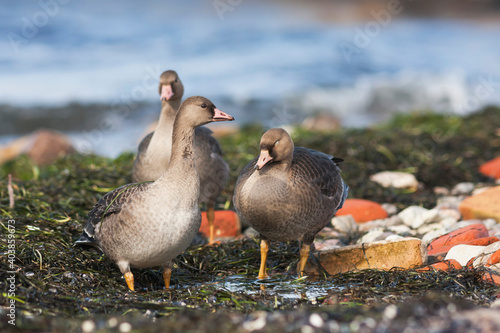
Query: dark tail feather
337	160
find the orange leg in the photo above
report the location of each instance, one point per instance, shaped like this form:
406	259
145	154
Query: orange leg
211	218
129	278
264	248
167	273
304	255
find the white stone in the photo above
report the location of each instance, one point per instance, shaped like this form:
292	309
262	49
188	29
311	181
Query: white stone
393	220
450	201
429	227
480	190
346	225
489	223
395	179
416	216
393	237
448	222
390	209
463	253
464	223
400	229
449	212
370	236
462	188
433	234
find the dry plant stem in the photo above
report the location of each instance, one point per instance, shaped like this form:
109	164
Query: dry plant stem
11	193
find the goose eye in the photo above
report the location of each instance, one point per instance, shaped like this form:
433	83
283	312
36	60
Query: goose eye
176	79
204	106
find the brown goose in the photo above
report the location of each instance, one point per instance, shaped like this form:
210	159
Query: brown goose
287	193
148	224
154	150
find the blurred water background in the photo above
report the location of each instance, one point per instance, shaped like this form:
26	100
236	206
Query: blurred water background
90	68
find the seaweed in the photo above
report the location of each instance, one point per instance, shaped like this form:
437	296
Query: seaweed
63	288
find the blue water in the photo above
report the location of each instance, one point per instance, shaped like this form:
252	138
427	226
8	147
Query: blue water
259	61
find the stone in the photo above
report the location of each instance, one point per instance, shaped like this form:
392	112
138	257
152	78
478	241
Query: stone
395	179
390	209
226	224
371	236
449	202
439	190
463	253
462	188
402	230
405	253
465	223
459	236
489	223
445	212
433	234
43	147
441	266
491	168
387	222
393	237
482	206
346	225
327	244
416	216
362	210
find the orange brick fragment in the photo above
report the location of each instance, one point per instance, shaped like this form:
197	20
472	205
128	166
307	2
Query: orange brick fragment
483	205
463	235
362	210
494	259
226	223
491	168
492	277
442	266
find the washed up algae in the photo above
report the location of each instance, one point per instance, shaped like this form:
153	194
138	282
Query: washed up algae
63	288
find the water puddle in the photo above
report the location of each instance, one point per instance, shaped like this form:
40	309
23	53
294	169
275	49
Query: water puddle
280	286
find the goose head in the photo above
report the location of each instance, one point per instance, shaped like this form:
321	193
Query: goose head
171	87
275	146
196	111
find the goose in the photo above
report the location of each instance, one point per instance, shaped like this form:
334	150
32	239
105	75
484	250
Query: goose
155	149
148	224
287	193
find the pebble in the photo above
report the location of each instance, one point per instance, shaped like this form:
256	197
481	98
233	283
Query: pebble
416	216
346	225
371	236
464	253
390	209
395	179
462	188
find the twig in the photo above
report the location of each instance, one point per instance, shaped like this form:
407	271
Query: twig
11	192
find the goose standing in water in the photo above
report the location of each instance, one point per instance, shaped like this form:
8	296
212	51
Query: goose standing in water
148	224
287	193
154	150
